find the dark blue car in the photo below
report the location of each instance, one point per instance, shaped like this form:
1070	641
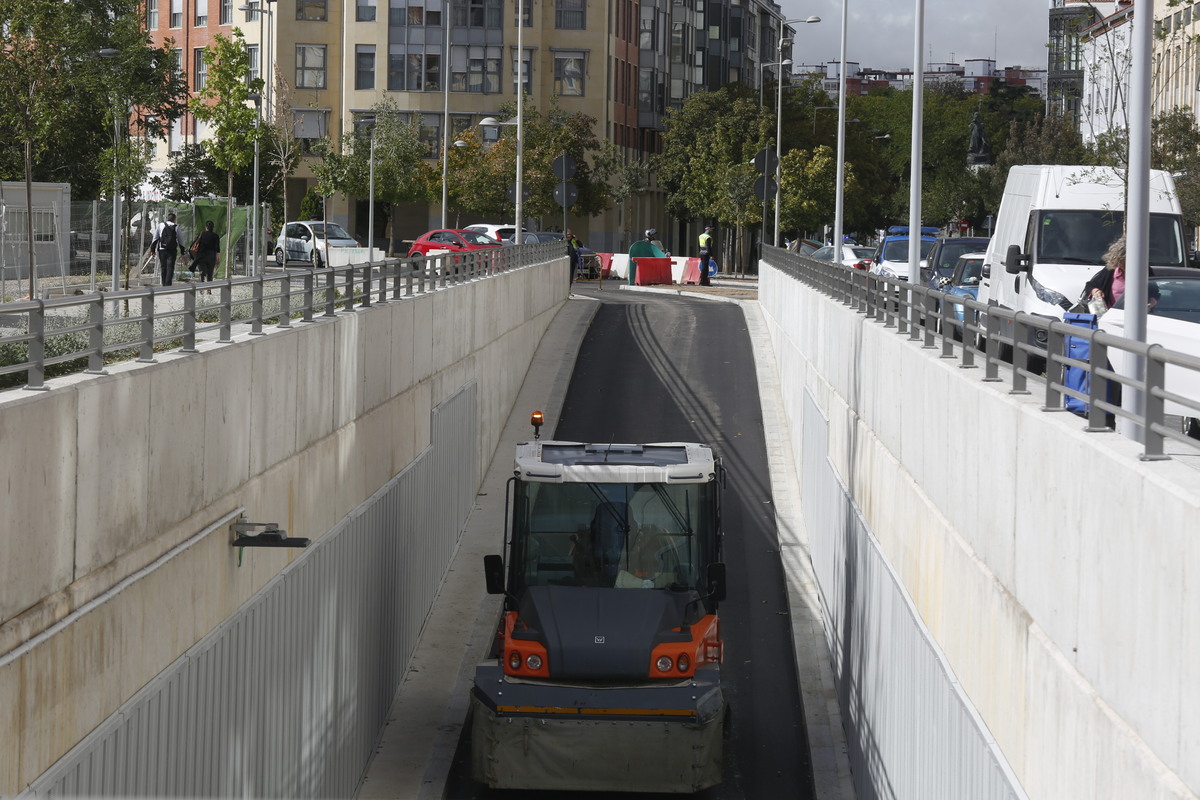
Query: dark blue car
964	282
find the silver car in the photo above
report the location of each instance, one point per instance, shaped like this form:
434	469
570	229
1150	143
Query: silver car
310	241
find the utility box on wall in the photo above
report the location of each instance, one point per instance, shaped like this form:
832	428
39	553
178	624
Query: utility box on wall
51	230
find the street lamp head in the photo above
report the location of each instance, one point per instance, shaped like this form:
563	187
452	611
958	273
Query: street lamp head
459	143
108	52
489	122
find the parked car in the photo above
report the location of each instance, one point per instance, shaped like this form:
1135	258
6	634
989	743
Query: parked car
445	240
964	282
804	247
1174	323
310	241
532	237
852	256
944	256
497	232
891	259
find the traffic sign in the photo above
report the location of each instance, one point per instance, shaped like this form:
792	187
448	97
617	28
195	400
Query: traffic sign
766	161
764	187
565	194
564	167
512	192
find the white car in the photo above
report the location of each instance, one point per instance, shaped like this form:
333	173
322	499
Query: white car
501	233
310	241
852	256
1174	323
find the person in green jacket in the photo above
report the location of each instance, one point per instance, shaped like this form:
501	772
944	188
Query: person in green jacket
708	246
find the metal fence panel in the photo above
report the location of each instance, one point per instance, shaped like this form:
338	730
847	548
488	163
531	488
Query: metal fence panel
913	733
288	697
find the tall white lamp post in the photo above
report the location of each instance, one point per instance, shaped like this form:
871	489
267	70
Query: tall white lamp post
839	194
492	122
257	232
370	122
779	122
446	111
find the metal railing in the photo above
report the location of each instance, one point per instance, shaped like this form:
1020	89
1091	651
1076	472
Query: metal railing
1014	346
81	333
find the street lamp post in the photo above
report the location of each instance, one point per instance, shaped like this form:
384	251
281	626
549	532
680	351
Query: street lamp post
779	122
108	53
446	111
839	192
257	231
520	202
370	121
492	122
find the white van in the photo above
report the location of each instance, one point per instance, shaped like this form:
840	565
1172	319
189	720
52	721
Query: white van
1054	224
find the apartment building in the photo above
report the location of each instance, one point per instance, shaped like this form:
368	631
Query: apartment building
1068	19
623	62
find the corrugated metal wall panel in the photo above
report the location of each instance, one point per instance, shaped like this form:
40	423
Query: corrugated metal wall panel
288	697
912	731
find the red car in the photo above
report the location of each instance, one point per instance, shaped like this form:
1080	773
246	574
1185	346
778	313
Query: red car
450	241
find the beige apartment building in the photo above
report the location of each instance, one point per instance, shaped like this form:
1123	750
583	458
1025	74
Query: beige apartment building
622	62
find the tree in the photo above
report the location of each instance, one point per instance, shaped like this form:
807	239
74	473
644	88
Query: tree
282	146
55	88
222	104
1175	147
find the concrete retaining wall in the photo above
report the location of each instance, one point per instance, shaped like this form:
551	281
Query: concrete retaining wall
106	475
1049	566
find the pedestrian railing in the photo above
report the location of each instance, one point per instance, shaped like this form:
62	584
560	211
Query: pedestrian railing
1021	349
82	333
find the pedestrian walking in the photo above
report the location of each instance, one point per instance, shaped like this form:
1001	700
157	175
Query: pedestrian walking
205	252
708	246
165	243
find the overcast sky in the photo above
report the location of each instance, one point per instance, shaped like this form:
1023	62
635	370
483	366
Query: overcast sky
879	33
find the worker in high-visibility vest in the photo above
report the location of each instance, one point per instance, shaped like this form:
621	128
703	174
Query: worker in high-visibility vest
708	246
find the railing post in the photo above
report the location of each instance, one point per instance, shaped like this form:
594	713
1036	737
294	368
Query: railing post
96	336
189	320
383	276
330	294
285	301
146	347
366	293
256	308
350	289
227	310
1156	380
307	310
1056	342
1020	354
35	376
1097	384
930	315
991	370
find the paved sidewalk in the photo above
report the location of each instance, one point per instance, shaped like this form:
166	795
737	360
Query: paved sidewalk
414	755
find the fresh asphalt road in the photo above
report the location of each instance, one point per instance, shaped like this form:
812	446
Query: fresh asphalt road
666	368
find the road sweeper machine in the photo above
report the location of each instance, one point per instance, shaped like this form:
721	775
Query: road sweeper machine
606	674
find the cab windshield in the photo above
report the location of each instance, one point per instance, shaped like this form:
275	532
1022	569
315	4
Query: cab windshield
1080	236
329	230
620	535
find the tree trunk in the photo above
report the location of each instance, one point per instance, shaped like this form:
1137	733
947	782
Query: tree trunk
29	216
228	220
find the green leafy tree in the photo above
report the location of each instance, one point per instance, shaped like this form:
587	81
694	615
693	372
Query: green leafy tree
483	174
1175	147
222	104
56	89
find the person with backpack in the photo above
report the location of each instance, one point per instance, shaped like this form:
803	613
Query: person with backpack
165	243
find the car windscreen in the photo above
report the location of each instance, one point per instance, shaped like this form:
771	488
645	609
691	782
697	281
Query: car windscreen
967	272
863	252
949	252
1081	236
897	249
333	230
475	237
824	254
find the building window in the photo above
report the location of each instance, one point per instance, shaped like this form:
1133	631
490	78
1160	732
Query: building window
152	15
201	13
310	66
311	125
413	71
201	69
570	15
226	12
365	10
416	15
180	71
478	13
176	20
526	73
255	67
364	66
475	69
431	134
568	74
313	10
